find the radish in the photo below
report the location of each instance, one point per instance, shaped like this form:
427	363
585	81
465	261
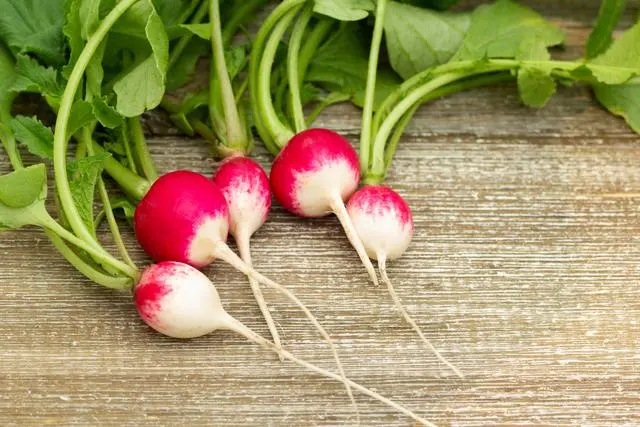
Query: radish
316	170
382	218
184	217
245	187
178	300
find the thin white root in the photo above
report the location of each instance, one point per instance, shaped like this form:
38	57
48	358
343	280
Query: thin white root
241	329
382	265
224	253
242	240
338	207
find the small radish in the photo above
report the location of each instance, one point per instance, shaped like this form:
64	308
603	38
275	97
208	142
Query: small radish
184	217
382	218
245	186
178	300
383	221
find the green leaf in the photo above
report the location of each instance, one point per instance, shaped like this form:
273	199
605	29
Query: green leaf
419	38
83	175
81	116
121	207
142	87
621	100
498	29
140	90
341	66
621	61
24	187
22	198
601	35
533	48
201	30
35	27
89	13
184	68
33	77
7	76
72	31
535	86
106	115
344	10
37	137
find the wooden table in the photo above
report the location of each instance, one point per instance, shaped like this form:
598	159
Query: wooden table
524	272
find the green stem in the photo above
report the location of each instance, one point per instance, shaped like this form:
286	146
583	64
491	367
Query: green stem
99	255
293	67
132	184
126	141
106	204
60	140
236	138
483	80
142	149
182	44
10	146
119	283
312	42
369	98
280	133
254	68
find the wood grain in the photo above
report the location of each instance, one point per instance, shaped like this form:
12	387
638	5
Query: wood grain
524	273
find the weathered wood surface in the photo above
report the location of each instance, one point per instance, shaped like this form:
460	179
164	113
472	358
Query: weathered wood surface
524	272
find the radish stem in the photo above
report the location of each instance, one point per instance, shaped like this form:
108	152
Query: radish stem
242	240
295	41
337	205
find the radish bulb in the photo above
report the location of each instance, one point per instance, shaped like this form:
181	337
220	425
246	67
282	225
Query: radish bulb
313	175
184	217
179	301
383	221
245	187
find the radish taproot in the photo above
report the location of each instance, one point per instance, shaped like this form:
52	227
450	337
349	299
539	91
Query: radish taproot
178	300
315	170
382	218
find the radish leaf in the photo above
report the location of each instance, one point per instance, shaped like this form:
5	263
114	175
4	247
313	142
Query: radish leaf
621	61
621	100
419	38
35	27
37	137
344	10
83	175
33	77
497	30
600	38
22	196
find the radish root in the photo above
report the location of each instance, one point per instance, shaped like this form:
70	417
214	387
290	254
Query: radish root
242	240
338	207
382	266
226	254
241	329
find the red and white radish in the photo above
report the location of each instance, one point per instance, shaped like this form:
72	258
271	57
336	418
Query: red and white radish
313	175
381	217
184	217
245	186
178	300
383	220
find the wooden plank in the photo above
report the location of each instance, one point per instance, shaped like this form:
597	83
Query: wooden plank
523	271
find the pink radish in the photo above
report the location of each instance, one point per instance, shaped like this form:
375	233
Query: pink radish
383	221
178	300
316	171
245	186
184	217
